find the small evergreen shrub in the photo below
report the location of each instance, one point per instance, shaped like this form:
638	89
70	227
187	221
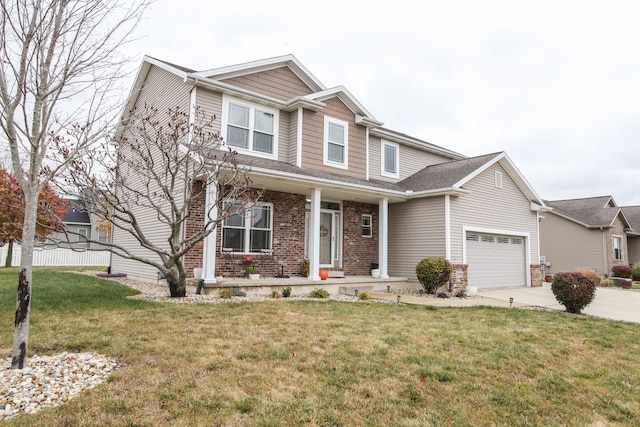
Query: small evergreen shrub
319	293
635	274
623	271
573	290
237	293
286	292
433	272
364	296
225	293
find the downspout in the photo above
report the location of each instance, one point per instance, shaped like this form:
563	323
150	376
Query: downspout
447	226
605	258
299	138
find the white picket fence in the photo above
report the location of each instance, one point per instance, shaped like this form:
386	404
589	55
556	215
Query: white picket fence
58	257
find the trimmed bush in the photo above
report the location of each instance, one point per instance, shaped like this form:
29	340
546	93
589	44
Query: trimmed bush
237	293
286	292
573	290
623	271
635	274
433	272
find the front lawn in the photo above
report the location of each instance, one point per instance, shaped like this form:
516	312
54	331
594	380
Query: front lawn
282	362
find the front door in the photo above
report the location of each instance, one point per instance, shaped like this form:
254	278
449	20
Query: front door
330	249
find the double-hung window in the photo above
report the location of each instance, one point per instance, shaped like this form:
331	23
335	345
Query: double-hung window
617	248
247	230
367	225
336	142
390	159
250	127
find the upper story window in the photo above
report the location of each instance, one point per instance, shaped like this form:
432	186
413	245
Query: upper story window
250	127
247	230
617	247
336	142
390	159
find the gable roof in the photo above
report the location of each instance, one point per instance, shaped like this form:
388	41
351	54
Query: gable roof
591	212
455	174
76	213
632	213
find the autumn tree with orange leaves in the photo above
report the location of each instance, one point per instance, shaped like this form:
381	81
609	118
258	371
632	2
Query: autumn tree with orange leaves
51	208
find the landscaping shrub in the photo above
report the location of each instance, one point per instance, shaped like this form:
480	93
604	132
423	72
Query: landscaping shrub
606	283
623	271
364	296
635	274
590	273
573	290
433	272
275	294
225	293
319	293
286	292
237	293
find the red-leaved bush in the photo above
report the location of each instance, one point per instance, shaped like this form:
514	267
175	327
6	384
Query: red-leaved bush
573	290
623	271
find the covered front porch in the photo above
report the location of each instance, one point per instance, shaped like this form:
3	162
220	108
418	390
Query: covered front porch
302	285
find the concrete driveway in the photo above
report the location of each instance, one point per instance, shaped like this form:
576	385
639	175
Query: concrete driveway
609	303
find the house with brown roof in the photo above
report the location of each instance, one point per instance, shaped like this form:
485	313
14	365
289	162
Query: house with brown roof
584	233
632	213
342	191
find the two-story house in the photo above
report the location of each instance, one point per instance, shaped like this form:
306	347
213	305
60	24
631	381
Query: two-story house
342	191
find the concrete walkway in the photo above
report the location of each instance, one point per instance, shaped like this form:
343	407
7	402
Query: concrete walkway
609	303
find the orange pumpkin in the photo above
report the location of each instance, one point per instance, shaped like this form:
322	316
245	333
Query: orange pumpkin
324	274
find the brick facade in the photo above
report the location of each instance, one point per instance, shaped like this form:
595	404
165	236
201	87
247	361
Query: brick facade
459	278
288	238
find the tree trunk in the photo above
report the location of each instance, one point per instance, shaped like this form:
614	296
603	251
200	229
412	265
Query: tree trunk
7	261
177	284
23	303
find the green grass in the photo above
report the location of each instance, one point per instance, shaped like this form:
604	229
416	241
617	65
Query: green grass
285	362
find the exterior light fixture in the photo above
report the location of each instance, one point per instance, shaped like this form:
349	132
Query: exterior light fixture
510	302
398	298
356	292
388	288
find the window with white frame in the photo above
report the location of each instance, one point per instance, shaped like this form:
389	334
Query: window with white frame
250	127
390	159
367	225
247	230
617	248
336	142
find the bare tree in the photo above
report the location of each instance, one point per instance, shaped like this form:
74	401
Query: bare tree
56	56
165	166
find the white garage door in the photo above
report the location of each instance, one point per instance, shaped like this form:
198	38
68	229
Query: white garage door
495	260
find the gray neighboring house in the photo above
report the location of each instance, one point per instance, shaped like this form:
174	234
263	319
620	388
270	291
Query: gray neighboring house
80	222
584	233
632	213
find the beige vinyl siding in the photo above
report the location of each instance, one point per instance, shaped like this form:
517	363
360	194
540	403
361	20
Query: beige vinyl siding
494	208
633	242
280	83
211	103
568	245
411	160
284	136
292	141
416	231
313	140
162	90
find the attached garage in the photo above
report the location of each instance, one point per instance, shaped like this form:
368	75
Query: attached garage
495	260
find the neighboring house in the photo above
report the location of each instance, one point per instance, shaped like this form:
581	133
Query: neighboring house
341	190
632	213
80	225
584	233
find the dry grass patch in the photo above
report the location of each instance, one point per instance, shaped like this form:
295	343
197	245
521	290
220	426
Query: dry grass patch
284	362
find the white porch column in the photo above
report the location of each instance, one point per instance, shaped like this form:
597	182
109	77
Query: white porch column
314	235
210	242
383	242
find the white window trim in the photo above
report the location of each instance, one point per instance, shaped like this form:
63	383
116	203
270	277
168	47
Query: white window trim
327	162
613	246
370	227
384	172
247	228
226	100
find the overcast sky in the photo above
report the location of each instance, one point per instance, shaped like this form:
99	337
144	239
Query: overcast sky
555	84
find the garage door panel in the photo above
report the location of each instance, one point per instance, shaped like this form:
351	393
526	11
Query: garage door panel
495	260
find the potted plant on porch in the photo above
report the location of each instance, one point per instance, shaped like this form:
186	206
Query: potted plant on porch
252	270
